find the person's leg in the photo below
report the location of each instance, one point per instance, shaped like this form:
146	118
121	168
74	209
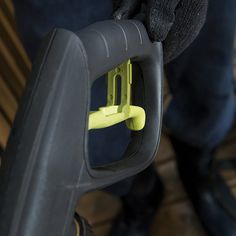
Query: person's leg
201	114
201	81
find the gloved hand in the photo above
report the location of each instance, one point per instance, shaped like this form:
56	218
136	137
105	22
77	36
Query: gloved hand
176	23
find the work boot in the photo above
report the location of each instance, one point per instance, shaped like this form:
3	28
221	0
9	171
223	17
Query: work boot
211	197
139	205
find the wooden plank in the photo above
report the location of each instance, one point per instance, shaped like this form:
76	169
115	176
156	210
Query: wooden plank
9	6
174	191
7	101
165	152
14	52
177	220
8	77
4	131
8	9
14	39
98	207
9	59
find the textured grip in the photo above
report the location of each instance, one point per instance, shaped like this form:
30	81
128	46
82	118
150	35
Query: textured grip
113	43
46	168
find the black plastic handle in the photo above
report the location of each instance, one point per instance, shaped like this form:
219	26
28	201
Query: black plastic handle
46	168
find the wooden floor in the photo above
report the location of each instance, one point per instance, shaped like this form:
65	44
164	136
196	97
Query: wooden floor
176	216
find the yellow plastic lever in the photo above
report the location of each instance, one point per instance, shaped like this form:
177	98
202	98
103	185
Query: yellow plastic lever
108	116
112	114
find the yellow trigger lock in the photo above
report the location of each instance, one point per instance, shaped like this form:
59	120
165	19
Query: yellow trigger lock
113	113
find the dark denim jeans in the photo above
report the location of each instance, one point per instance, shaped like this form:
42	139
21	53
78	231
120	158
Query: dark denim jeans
201	81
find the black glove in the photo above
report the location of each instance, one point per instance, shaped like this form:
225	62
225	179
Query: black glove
176	23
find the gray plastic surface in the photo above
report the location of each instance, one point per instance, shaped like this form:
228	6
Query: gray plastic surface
46	165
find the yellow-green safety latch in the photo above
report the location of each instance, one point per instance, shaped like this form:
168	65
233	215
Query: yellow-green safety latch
114	113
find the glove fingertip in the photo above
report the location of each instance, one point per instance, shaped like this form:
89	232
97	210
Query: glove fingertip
120	15
117	16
